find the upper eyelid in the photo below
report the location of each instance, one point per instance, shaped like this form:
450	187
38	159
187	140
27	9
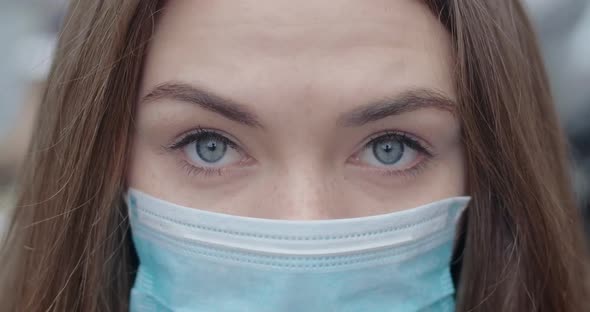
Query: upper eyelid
392	133
202	131
397	133
236	144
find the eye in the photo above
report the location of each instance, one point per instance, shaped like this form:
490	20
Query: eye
393	151
209	150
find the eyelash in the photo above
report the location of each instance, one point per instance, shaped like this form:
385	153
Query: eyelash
193	136
410	141
192	170
402	136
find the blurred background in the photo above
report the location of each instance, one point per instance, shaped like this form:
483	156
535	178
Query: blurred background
29	30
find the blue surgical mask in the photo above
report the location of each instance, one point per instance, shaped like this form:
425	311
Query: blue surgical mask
195	260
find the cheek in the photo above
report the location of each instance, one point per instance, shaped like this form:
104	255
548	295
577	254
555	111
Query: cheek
142	173
160	173
154	171
440	179
457	173
298	188
298	194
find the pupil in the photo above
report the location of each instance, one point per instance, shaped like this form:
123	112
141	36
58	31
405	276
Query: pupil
388	151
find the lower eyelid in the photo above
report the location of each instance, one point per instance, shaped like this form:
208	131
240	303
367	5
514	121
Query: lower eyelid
421	157
414	171
245	161
424	157
193	170
410	172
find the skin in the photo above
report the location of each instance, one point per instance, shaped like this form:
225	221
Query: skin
298	67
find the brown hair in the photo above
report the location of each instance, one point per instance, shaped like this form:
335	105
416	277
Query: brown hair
521	245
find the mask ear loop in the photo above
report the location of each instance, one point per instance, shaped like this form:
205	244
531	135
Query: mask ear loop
131	253
458	248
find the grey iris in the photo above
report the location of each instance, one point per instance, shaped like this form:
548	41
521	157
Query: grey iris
211	148
388	150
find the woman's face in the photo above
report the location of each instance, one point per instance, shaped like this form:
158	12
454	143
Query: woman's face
298	109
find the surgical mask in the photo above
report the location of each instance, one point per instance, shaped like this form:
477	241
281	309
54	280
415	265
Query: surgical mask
196	260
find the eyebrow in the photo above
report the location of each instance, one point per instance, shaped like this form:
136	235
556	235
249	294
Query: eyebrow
207	100
407	101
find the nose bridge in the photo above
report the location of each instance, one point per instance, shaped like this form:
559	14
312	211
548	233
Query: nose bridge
306	192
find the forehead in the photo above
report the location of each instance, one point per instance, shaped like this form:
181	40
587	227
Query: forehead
305	48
